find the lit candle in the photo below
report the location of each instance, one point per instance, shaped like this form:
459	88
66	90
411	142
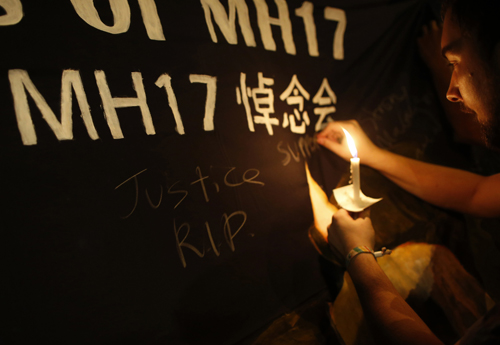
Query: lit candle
354	167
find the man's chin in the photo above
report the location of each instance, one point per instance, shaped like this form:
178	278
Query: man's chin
490	135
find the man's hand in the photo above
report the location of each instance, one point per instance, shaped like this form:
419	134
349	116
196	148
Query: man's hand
345	233
429	48
333	138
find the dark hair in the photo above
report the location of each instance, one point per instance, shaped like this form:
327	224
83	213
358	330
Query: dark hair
476	18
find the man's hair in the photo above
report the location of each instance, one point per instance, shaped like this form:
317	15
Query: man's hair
476	18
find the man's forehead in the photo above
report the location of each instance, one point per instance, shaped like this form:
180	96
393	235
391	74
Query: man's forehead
451	38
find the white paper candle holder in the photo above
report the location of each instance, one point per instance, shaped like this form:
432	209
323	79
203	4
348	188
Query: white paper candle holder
345	199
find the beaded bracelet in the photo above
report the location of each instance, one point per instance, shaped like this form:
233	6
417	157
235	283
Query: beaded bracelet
355	252
364	249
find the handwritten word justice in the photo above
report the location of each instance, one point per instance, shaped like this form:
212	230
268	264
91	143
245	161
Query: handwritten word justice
71	82
212	8
231	179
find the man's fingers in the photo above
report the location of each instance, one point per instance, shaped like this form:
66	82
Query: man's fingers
338	217
365	213
328	143
434	25
340	214
425	30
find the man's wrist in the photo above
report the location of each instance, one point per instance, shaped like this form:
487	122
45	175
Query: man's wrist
365	250
376	158
355	252
361	261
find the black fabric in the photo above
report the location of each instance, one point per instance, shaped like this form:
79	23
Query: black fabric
199	238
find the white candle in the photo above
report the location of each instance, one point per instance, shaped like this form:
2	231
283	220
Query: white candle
354	167
355	179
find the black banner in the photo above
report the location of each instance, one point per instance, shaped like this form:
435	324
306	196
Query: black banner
153	156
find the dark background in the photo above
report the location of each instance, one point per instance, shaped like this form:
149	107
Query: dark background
78	267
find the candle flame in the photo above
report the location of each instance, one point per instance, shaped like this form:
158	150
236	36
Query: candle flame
350	143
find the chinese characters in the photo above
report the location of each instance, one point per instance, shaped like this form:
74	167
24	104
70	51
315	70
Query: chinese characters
295	95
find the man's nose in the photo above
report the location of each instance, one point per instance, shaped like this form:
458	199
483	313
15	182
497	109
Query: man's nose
453	93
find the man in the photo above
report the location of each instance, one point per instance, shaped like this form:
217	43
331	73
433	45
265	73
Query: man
475	82
474	53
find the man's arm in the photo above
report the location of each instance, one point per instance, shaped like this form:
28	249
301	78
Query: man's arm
386	312
442	186
389	317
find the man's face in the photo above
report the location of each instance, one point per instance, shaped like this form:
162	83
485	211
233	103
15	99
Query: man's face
474	81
